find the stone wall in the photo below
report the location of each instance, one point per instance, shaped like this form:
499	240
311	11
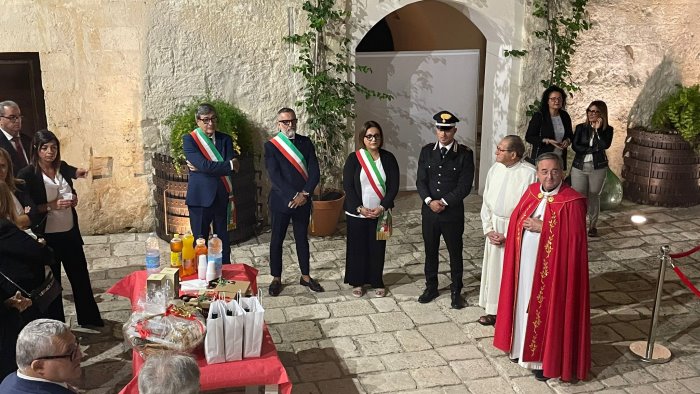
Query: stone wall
634	54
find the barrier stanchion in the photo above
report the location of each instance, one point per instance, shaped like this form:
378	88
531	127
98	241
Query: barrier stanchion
649	351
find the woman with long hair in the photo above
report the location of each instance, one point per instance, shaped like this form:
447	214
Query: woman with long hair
50	185
590	166
24	207
550	129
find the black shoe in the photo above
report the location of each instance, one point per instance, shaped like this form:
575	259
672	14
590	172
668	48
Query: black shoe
457	301
95	324
593	232
514	360
428	295
275	287
539	375
311	284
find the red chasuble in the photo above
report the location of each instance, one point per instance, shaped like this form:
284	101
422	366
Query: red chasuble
559	324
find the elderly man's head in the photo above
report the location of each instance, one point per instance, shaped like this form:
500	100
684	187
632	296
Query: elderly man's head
47	349
10	117
169	373
510	150
206	118
549	170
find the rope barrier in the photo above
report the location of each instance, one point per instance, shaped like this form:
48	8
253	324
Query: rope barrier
680	273
684	254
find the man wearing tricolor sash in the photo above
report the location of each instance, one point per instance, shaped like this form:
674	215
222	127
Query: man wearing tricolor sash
212	161
444	179
293	169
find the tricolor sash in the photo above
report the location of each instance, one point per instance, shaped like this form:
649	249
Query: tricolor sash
378	183
206	146
291	153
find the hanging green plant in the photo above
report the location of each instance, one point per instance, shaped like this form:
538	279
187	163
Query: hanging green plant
231	121
680	112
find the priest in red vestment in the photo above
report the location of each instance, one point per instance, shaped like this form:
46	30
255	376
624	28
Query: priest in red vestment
543	311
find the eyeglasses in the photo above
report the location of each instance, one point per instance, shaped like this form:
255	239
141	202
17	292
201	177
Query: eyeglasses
288	122
13	118
373	137
445	129
593	111
502	150
208	120
72	356
555	98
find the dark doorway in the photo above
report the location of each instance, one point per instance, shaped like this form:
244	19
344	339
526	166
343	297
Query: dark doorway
378	39
20	81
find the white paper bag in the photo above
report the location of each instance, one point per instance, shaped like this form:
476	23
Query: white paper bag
233	331
253	327
214	342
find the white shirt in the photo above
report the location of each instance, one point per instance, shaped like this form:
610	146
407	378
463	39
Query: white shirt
370	199
57	220
559	131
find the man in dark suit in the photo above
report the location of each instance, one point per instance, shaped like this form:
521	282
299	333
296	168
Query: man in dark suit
445	175
211	160
12	140
48	360
293	169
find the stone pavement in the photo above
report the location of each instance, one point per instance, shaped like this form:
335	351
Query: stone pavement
335	343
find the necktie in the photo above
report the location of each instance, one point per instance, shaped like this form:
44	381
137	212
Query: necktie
443	152
20	150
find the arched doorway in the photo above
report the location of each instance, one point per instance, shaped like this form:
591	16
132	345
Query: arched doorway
486	27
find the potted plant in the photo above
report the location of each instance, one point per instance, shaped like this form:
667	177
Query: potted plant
328	98
171	173
662	162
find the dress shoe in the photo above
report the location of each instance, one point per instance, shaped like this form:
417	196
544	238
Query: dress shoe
428	295
275	288
311	284
539	375
593	232
514	360
457	301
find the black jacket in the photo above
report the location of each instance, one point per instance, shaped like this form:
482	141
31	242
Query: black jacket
581	145
541	128
353	189
37	192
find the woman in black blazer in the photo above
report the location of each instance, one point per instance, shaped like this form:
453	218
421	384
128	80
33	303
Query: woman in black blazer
590	166
50	185
370	182
550	129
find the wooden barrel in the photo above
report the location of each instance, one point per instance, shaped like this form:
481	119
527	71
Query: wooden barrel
172	215
660	169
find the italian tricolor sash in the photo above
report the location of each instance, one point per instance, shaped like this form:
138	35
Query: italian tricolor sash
206	146
291	153
378	183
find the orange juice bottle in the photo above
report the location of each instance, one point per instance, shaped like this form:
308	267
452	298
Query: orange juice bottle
199	249
188	261
176	251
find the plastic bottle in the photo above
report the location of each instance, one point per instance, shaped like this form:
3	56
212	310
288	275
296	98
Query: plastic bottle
202	267
214	254
200	250
188	260
152	254
176	251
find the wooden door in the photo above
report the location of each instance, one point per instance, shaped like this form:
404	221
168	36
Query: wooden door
20	81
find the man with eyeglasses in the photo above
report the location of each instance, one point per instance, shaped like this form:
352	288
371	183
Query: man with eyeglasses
544	321
48	360
506	181
212	161
445	175
12	140
293	169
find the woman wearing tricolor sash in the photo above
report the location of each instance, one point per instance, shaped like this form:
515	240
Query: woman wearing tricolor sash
371	182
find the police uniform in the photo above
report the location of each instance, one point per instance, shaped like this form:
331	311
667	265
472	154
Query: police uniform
444	174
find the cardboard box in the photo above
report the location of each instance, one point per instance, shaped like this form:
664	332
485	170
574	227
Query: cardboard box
230	288
173	275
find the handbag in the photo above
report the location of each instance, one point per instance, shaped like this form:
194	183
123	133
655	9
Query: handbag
43	295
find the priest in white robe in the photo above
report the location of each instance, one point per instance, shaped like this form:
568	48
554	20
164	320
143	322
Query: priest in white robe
506	182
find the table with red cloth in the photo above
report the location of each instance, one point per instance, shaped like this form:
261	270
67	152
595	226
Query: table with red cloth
264	370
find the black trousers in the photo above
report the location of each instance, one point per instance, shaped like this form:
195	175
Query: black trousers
452	234
68	249
364	254
300	225
202	218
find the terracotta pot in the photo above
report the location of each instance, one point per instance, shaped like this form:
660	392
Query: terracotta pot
325	216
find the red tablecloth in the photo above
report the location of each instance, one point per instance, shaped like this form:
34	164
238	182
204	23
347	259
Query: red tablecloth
264	370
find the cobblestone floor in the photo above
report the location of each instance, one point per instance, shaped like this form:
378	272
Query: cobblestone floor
335	343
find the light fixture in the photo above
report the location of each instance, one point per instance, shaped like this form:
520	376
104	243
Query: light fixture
638	219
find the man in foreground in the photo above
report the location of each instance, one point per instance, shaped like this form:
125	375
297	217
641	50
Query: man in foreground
543	309
168	373
48	358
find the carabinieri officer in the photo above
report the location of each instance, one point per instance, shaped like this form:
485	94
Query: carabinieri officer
445	175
